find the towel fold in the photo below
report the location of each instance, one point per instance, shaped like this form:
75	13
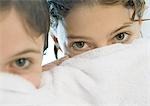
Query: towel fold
116	75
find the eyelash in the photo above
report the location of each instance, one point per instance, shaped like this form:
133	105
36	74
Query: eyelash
76	44
125	39
86	46
114	40
27	61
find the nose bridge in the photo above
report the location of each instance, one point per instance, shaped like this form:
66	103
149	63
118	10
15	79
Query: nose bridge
1	68
4	68
102	43
1	62
3	65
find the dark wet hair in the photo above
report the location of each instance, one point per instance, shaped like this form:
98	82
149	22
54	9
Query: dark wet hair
34	12
59	9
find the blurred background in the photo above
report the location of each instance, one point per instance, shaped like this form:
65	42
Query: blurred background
49	56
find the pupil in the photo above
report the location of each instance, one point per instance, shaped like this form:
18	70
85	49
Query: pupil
120	37
21	62
80	44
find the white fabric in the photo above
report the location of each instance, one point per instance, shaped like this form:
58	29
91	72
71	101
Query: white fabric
16	91
116	75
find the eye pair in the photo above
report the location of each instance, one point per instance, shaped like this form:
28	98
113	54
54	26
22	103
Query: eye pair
119	38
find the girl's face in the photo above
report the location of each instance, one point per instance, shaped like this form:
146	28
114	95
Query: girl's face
98	26
20	48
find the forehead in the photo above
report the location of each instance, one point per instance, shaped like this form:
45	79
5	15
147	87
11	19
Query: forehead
13	35
12	17
96	19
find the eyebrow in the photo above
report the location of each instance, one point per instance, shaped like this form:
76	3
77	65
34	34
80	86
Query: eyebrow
125	25
27	51
22	53
72	36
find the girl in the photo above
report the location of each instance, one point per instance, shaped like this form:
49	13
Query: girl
78	26
95	23
24	26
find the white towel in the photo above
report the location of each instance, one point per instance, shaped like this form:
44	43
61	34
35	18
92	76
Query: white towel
116	75
16	91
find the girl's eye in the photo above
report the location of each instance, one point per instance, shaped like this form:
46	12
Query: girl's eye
21	63
79	45
121	37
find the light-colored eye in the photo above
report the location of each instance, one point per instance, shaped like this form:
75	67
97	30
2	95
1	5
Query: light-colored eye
79	45
21	63
121	37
